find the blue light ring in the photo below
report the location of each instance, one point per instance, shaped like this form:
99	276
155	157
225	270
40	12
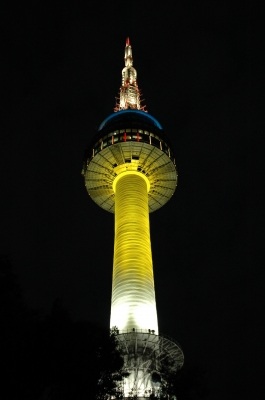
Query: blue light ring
124	112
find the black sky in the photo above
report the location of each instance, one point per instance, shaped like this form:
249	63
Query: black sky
62	71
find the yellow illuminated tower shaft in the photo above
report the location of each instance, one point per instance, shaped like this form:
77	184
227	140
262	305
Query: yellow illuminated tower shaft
133	295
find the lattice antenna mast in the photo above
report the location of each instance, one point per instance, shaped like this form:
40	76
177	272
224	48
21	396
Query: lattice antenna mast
129	91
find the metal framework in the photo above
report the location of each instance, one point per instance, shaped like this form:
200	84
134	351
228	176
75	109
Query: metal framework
144	354
129	92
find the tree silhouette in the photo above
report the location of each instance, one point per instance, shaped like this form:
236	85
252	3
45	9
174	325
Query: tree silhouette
51	357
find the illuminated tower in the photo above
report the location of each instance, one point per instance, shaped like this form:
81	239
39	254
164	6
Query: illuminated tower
129	170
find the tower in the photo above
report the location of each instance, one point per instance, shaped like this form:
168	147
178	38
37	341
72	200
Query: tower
129	170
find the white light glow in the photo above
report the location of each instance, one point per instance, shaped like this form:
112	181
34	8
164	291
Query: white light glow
133	294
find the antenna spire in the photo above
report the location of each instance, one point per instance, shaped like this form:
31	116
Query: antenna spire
129	91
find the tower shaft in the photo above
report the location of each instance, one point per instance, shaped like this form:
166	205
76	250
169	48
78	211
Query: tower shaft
133	294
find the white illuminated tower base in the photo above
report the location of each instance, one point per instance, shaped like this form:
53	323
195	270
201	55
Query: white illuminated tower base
144	354
129	170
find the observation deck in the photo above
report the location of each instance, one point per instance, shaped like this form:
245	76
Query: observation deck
130	140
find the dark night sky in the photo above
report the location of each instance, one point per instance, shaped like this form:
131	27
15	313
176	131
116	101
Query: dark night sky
62	71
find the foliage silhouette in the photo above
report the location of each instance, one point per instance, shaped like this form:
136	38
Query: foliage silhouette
51	357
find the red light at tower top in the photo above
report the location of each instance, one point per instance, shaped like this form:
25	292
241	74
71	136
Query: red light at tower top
128	41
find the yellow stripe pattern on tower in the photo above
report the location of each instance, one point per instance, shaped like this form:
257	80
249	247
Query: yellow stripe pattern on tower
133	294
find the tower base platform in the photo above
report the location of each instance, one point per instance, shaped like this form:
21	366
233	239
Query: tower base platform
145	355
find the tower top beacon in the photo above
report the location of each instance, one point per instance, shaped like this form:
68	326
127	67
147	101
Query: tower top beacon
129	95
128	54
